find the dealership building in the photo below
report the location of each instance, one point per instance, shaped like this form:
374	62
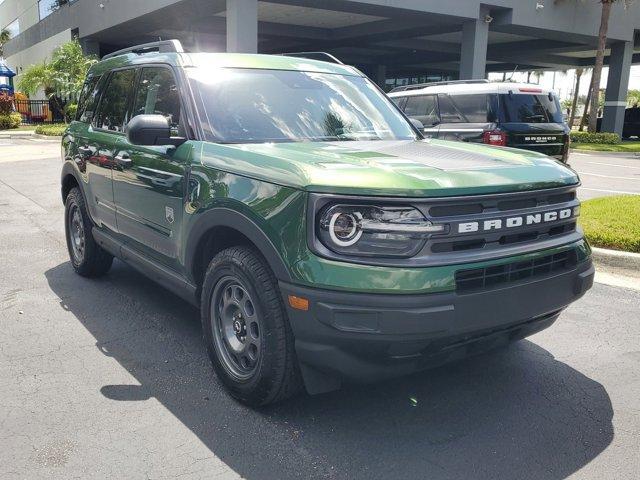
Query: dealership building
393	41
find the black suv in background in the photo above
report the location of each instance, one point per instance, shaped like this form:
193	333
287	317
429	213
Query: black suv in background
500	113
631	126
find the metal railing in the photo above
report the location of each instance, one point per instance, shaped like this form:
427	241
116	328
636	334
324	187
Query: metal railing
35	112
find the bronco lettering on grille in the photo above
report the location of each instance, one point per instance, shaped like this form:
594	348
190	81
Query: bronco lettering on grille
517	221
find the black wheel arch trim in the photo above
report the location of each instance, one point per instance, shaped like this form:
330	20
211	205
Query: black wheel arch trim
229	218
69	169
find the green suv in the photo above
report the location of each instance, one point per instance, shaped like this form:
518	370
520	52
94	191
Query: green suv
324	240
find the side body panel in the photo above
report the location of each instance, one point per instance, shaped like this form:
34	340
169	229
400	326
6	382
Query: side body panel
92	152
149	190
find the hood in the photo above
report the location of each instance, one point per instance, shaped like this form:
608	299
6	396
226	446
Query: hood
395	168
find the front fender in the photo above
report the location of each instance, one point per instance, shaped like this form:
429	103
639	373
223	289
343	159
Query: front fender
226	217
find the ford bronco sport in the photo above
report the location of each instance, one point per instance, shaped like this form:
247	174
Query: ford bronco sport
517	115
323	238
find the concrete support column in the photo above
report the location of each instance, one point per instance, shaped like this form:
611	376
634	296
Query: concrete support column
242	26
473	51
381	75
615	99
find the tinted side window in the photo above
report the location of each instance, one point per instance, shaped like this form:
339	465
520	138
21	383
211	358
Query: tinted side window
158	94
423	108
113	106
464	108
88	100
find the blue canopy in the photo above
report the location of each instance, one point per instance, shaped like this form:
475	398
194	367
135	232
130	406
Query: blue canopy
5	71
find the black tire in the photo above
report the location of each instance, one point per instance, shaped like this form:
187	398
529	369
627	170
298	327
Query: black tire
89	260
274	375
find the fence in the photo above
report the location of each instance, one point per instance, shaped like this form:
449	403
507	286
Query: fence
35	112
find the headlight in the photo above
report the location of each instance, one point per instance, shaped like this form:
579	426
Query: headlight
370	230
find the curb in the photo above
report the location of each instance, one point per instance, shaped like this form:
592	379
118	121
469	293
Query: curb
20	133
606	154
623	263
29	134
46	137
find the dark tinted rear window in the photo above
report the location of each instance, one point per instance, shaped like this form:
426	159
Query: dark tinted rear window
113	106
522	108
464	108
88	100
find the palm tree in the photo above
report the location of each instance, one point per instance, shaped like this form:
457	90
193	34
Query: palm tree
576	93
5	36
597	69
61	79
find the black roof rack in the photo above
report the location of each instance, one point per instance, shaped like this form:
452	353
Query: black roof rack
322	56
162	46
417	86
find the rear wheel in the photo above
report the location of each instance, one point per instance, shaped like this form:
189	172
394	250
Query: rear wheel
87	257
246	330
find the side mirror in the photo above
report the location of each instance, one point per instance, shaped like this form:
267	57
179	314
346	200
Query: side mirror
151	130
417	123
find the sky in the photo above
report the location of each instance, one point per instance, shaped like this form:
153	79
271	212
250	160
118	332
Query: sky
564	83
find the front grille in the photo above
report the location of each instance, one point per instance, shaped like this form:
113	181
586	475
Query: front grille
533	200
468	281
507	206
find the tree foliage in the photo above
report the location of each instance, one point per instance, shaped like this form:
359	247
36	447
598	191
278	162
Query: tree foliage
5	36
633	98
63	76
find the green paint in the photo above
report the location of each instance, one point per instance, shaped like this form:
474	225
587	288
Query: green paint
269	184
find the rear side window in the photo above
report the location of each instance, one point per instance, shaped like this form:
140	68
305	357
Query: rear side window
158	94
423	108
113	106
88	99
524	108
464	108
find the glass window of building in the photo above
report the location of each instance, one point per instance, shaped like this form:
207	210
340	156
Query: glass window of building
46	7
14	28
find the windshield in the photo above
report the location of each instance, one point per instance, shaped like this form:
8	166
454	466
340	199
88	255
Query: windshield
255	106
530	109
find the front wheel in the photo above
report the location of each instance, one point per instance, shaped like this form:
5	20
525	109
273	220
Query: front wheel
246	330
87	257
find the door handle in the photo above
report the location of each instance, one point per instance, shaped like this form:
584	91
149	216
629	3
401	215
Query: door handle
123	160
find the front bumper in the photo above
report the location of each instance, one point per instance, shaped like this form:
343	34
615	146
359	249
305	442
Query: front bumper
367	337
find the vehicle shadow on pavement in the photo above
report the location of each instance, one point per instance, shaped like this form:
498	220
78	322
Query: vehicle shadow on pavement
514	413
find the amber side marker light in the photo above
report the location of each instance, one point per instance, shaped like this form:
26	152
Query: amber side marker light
298	303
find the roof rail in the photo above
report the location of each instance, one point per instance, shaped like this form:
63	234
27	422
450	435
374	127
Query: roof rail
162	46
322	56
417	86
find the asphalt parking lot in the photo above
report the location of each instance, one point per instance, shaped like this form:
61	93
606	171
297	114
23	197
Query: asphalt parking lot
109	378
607	174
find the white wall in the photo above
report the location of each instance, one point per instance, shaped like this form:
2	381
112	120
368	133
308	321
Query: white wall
26	11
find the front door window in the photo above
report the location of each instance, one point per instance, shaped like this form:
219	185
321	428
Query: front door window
158	94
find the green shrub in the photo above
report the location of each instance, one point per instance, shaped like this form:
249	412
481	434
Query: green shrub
612	222
602	138
70	110
55	130
11	120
